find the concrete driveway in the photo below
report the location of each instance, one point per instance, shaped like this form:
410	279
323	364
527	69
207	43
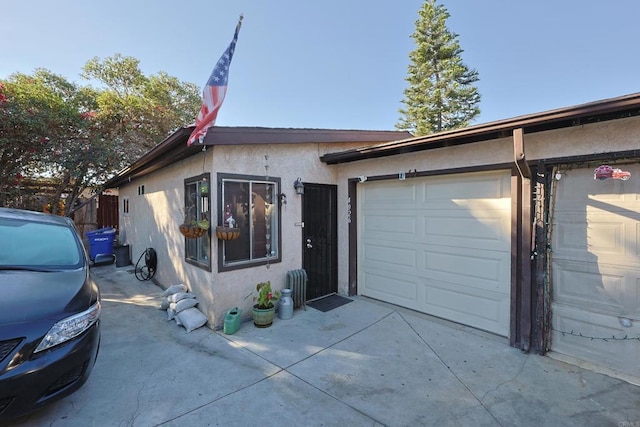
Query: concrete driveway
361	364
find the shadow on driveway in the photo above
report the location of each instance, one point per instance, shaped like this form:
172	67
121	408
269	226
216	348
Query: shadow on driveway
362	364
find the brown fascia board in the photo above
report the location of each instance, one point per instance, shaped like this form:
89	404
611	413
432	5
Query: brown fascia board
174	147
262	135
608	109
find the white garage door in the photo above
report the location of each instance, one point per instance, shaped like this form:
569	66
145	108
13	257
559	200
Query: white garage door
596	270
439	245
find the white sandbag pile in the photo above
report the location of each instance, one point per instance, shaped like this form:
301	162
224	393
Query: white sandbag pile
180	305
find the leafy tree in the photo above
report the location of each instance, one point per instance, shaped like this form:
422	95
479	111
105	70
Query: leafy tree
47	132
32	112
140	111
76	136
441	93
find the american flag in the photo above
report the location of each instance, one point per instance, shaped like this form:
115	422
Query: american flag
214	92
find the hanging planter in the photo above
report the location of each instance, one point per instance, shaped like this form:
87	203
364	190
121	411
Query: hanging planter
192	231
227	233
193	228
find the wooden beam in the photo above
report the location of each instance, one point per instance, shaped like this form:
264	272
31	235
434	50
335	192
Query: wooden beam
352	212
521	235
524	259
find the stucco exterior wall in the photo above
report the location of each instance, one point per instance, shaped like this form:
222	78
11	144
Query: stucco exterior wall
154	218
604	137
286	162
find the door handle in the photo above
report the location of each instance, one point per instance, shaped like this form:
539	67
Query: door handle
309	245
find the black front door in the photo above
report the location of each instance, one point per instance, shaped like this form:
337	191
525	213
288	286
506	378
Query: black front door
319	239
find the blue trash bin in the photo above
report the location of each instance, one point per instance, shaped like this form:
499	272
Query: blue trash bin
101	242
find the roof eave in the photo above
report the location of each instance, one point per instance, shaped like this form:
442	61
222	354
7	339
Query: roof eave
174	147
564	117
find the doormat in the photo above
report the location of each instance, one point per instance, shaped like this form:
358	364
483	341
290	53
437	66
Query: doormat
329	303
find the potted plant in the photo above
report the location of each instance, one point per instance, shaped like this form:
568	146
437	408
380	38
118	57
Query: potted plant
193	228
264	308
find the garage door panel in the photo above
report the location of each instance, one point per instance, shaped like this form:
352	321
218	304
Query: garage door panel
448	300
444	246
485	231
481	311
584	284
392	223
603	235
569	236
609	353
584	187
390	194
396	289
488	271
484	226
606	238
596	269
449	189
482	271
387	255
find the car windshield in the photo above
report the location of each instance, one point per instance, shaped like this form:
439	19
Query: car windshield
27	244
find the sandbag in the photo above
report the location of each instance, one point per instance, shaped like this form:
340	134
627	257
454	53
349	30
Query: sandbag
179	296
174	290
191	318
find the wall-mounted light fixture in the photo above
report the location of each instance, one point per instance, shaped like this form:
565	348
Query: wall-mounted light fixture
299	186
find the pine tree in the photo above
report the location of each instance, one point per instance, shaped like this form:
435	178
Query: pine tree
441	94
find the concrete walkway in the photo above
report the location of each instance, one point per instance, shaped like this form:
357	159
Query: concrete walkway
361	364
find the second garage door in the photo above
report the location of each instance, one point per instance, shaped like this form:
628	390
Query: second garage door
439	245
596	270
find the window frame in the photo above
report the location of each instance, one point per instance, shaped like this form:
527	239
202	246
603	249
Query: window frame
236	265
205	177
